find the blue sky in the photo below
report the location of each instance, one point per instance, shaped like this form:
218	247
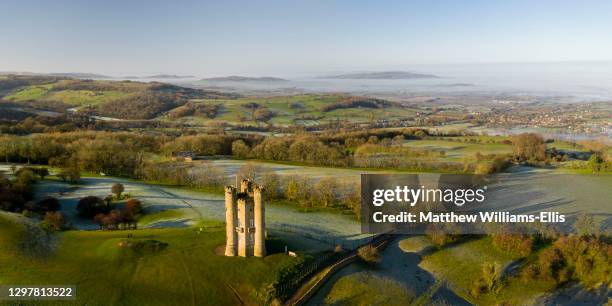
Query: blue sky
206	38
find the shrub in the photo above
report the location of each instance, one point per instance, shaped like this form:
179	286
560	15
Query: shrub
585	225
271	182
478	288
42	172
588	260
514	243
90	206
529	146
240	149
490	281
491	274
440	234
529	273
48	204
71	174
117	189
53	221
25	176
369	254
133	206
248	171
550	261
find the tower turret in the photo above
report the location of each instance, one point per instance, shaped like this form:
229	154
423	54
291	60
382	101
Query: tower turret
230	218
245	186
259	214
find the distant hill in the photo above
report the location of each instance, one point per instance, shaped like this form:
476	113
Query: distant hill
168	76
382	75
237	78
80	75
115	99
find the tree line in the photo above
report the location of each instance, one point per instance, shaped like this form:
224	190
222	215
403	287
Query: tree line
129	153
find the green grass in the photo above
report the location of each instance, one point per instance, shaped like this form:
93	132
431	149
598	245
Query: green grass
69	97
187	272
29	93
365	288
456	151
415	244
460	265
86	97
233	111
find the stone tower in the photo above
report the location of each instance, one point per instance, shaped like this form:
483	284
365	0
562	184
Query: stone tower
230	219
245	220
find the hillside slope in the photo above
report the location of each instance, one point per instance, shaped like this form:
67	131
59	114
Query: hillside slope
117	99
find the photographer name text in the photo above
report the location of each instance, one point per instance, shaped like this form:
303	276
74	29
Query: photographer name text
452	217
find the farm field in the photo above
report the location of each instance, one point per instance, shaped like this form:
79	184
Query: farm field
457	151
289	110
186	271
68	96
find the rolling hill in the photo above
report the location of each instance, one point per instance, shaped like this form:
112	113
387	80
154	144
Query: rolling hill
306	109
132	100
117	99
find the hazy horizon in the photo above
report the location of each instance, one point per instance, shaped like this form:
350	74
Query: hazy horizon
277	38
577	81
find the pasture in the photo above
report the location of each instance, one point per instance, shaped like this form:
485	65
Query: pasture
142	270
301	109
69	97
457	151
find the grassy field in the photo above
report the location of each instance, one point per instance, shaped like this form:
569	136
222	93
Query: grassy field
414	244
302	109
364	288
186	272
29	93
86	97
456	151
69	97
461	264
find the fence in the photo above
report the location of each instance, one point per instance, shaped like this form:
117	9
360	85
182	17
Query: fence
289	286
